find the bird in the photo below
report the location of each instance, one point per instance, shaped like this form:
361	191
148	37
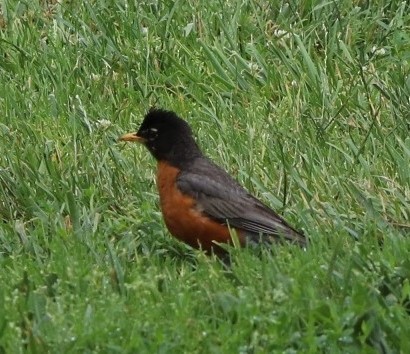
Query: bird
201	204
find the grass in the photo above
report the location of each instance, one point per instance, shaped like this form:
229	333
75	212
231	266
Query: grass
306	103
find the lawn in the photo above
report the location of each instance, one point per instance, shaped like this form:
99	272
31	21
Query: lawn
306	103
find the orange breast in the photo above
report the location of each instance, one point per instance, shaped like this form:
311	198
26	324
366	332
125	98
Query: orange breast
181	216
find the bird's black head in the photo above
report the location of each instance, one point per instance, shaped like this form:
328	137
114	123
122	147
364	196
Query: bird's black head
168	137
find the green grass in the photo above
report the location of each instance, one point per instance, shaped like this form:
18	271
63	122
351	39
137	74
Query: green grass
306	103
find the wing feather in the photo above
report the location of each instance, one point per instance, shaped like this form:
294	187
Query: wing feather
225	200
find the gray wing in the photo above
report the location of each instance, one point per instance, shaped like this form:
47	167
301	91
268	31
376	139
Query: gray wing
223	199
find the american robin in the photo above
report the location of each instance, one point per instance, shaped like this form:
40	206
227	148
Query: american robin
201	204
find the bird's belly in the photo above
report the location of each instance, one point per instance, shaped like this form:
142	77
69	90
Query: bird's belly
183	220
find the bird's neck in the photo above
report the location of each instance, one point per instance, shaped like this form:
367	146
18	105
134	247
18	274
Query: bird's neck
182	155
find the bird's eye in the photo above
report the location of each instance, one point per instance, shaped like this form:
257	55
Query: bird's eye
151	133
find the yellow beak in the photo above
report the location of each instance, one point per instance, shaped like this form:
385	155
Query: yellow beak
132	137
